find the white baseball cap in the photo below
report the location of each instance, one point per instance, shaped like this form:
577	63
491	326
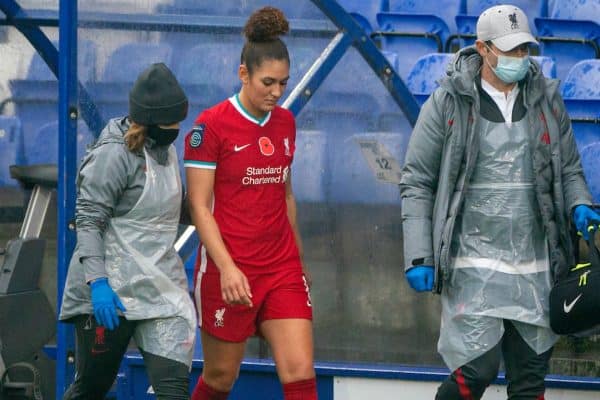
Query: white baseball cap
506	26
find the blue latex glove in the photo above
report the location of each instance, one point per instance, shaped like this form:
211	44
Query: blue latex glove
585	220
420	277
105	302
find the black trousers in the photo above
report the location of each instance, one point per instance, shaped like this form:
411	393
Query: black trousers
525	371
99	352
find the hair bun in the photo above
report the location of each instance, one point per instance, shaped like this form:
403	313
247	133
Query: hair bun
266	24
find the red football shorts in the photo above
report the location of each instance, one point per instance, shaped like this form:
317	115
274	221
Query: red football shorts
276	294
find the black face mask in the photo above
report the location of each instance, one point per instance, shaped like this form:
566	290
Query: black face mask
162	136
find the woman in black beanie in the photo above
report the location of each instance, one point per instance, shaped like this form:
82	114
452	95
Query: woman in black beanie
125	278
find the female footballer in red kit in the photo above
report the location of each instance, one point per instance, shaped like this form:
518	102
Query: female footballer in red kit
249	276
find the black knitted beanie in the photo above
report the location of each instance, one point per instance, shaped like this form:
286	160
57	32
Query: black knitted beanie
156	97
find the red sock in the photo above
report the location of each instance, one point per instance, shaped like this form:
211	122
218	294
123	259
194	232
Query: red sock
301	390
204	392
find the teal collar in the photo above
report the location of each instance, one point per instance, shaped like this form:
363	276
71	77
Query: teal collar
235	100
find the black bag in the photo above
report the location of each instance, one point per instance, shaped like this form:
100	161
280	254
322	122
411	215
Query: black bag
575	296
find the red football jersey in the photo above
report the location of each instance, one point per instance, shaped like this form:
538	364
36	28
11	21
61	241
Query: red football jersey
252	160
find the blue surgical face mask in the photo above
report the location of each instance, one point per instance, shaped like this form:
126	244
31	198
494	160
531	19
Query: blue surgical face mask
510	69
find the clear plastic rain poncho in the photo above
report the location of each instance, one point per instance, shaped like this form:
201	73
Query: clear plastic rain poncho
500	266
145	270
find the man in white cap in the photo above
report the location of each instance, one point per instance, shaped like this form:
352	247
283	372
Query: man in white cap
491	186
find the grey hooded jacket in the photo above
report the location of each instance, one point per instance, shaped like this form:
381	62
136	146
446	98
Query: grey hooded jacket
109	183
443	150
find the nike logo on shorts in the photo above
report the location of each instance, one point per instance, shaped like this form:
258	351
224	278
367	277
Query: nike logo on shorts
569	307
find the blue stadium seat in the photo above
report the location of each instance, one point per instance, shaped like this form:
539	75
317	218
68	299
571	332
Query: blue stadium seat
590	159
364	12
42	148
585	120
571	33
393	121
303	54
531	8
352	180
11	148
367	103
206	83
444	9
310	167
412	36
466	20
547	64
211	63
292	9
425	74
36	96
583	81
186	7
121	70
343	78
127	61
584	10
581	92
86	64
340	105
236	13
340	112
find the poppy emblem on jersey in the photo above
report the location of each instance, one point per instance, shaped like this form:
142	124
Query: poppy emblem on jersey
266	146
196	136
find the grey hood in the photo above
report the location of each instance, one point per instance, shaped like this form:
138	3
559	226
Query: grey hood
114	131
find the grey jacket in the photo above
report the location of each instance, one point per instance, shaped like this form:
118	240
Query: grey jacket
109	183
443	150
